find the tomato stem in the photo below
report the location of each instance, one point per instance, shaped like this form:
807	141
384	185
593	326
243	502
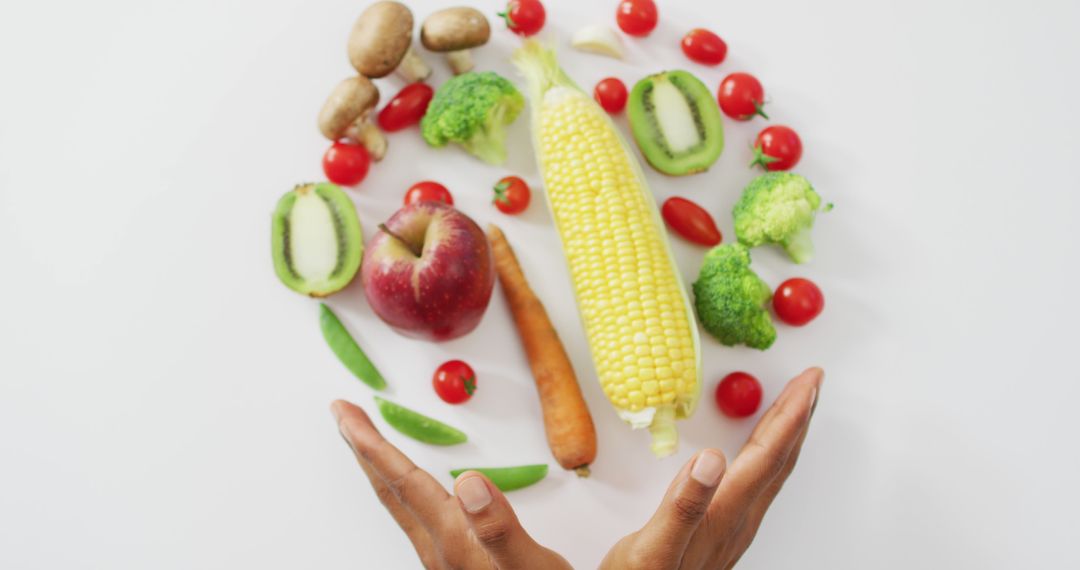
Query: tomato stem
500	193
509	21
761	159
759	109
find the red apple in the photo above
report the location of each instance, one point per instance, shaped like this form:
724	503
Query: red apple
428	272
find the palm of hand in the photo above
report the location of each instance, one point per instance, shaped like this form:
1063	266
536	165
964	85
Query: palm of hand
707	519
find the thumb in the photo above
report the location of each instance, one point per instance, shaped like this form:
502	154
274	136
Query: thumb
684	505
494	523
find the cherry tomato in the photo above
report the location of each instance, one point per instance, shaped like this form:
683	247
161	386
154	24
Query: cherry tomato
611	94
454	381
524	17
636	17
797	301
691	221
777	148
346	163
704	47
407	107
741	96
511	195
738	395
428	191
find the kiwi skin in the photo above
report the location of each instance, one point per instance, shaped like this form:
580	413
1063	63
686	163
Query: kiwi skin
347	230
648	136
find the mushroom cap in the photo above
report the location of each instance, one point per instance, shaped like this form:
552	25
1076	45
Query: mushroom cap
350	100
380	38
455	29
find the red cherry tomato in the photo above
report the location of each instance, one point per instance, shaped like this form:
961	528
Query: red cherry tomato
636	17
738	395
428	191
691	221
797	301
741	96
454	381
346	163
524	17
511	195
611	94
407	107
777	148
704	47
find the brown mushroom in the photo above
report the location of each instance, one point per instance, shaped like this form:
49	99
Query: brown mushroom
346	111
454	31
381	42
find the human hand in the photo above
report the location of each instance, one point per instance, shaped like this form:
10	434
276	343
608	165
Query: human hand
707	519
476	528
710	515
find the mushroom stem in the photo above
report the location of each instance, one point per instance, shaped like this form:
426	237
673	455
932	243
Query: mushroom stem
413	68
370	136
460	61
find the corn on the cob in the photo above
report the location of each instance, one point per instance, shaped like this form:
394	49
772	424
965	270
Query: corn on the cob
635	310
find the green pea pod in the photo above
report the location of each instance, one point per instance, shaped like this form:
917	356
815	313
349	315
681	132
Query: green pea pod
510	478
417	425
346	349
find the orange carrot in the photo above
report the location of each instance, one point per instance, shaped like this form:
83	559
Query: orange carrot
570	431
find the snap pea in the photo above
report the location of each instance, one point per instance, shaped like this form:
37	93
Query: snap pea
510	478
346	349
417	425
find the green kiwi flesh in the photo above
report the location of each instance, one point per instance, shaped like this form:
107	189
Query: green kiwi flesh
317	243
676	122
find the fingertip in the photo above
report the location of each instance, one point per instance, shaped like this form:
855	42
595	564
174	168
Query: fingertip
473	491
337	409
355	425
816	374
811	376
465	474
709	467
345	410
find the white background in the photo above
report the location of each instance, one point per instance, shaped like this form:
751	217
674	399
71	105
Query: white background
163	399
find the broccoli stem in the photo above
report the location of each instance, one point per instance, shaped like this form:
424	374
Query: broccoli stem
799	246
489	141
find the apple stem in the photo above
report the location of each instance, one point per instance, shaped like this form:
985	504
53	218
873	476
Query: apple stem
408	245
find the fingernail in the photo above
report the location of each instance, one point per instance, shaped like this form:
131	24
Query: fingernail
708	467
813	397
474	494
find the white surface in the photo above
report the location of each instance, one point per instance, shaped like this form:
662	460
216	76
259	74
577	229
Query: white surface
163	399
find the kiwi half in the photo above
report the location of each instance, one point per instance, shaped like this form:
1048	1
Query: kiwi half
317	244
676	122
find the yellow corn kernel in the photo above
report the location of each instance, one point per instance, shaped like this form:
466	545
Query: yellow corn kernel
650	388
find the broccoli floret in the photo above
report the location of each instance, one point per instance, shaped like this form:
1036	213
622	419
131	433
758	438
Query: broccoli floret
778	207
473	110
730	299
